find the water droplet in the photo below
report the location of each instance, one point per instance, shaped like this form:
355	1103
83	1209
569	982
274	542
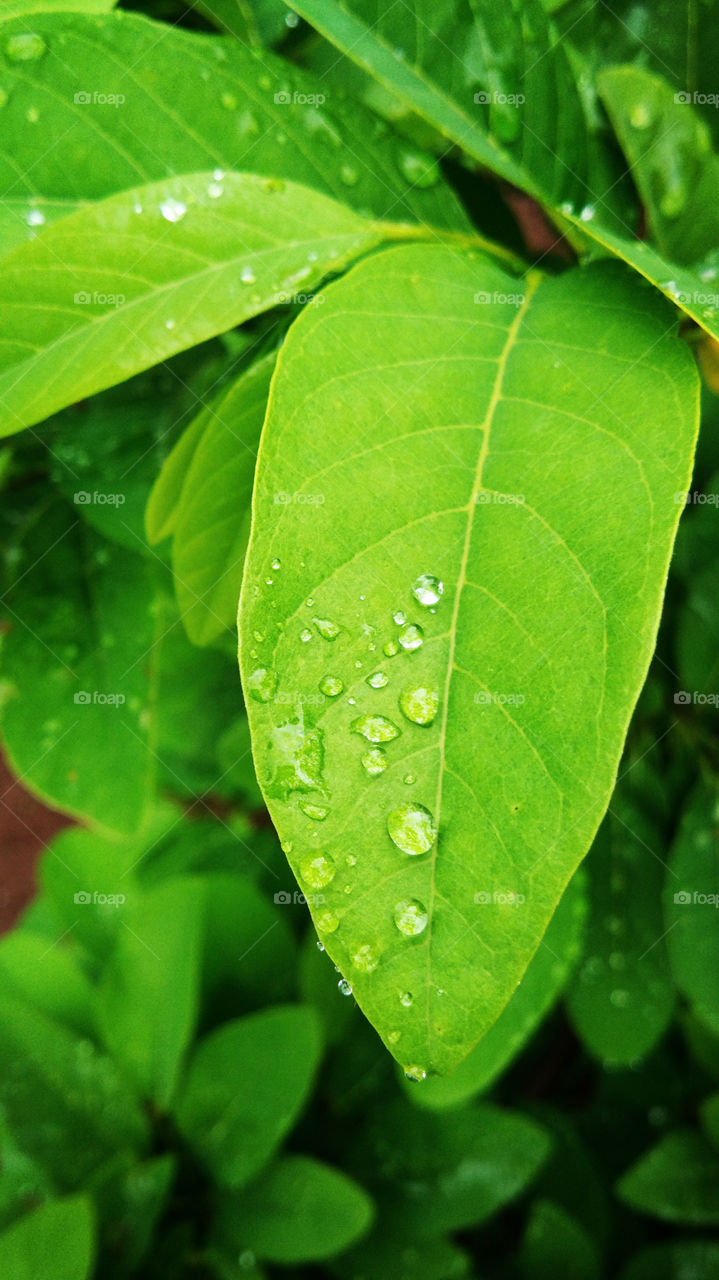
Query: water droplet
411	637
420	170
276	564
309	602
641	115
247	275
326	628
214	190
393	1036
406	999
674	200
349	175
262	684
320	945
415	1073
365	958
305	635
294	758
410	917
25	47
268	582
427	590
390	648
291	19
344	987
375	728
331	685
286	846
32	115
173	210
258	636
218	174
587	213
419	703
317	870
375	761
409	779
351	860
327	922
399	617
229	101
137	207
620	999
317	812
35	218
169	324
378	680
412	828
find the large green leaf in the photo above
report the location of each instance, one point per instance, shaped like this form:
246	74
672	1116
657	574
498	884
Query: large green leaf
125	283
115	101
55	1242
519	448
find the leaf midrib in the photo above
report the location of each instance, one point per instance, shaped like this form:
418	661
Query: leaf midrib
532	283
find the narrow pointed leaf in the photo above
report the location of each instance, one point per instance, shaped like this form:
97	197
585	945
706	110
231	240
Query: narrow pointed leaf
524	450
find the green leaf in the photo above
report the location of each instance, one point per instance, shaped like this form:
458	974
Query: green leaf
212	523
623	997
396	442
453	1171
691	895
76	674
23	1181
24	8
48	977
255	22
677	1181
129	1197
555	1244
192	102
249	949
669	149
148	998
164	501
246	1085
65	1103
675	1260
55	1242
546	975
298	1210
82	318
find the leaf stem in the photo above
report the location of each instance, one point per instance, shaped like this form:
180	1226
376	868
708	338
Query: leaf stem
462	239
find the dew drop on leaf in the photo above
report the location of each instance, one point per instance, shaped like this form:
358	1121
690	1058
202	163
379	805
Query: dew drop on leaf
375	728
305	635
390	648
419	703
331	686
406	999
365	958
344	987
173	210
375	762
25	47
326	628
410	917
641	115
247	275
349	175
418	169
378	680
262	684
415	1073
427	590
399	617
35	218
620	999
318	812
411	637
412	828
328	923
317	870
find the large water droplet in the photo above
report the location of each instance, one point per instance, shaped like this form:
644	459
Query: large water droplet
375	762
295	758
25	47
326	628
262	684
410	917
419	703
331	686
375	728
412	828
317	870
173	210
317	812
365	958
378	680
411	637
427	590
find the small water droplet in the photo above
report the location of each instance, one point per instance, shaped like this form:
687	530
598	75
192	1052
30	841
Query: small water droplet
276	564
641	115
399	617
344	987
351	860
411	637
365	958
349	175
317	812
247	275
393	1036
409	779
410	917
305	635
419	703
328	922
326	628
169	324
428	590
620	999
587	213
309	602
317	870
25	47
674	200
229	101
378	680
418	1074
375	728
406	999
291	19
173	210
375	762
411	827
331	686
617	960
262	684
320	946
214	190
420	170
32	115
286	846
390	648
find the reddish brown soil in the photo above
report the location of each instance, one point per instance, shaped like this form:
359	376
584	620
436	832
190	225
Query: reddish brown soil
26	826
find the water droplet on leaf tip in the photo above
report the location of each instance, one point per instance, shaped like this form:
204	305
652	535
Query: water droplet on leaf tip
416	1074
